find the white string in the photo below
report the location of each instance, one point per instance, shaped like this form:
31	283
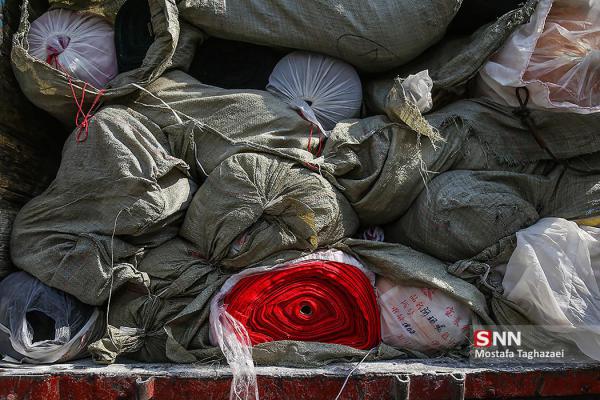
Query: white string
348	377
179	120
112	271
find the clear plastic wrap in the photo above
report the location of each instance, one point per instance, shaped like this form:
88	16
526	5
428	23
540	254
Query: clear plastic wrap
39	324
554	277
556	56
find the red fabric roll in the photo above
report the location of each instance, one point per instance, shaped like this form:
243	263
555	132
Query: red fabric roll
313	301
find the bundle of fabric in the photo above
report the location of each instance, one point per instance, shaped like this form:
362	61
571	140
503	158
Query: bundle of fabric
324	90
206	125
65	96
254	205
39	324
374	36
114	195
327	297
556	56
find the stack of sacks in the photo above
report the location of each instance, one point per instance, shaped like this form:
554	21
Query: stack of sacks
506	180
217	217
169	322
486	180
114	195
250	207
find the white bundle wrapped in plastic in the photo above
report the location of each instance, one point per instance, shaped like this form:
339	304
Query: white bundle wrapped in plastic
556	56
79	44
554	277
323	89
421	319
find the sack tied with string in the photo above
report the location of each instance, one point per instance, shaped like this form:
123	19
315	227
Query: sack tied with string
256	205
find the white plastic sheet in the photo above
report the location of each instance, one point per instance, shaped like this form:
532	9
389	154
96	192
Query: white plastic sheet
420	318
81	45
554	276
323	89
556	56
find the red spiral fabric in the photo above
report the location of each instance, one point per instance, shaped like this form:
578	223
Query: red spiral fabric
314	301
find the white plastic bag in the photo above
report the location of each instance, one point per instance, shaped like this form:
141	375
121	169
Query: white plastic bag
81	45
553	275
39	324
418	89
421	319
556	56
323	89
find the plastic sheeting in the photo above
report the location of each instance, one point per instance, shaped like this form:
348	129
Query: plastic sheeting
79	44
39	324
554	277
420	318
556	56
323	89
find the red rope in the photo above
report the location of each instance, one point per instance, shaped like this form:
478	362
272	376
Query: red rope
83	124
310	136
319	149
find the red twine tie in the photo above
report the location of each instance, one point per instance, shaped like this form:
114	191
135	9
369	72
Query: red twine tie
84	124
82	118
319	149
